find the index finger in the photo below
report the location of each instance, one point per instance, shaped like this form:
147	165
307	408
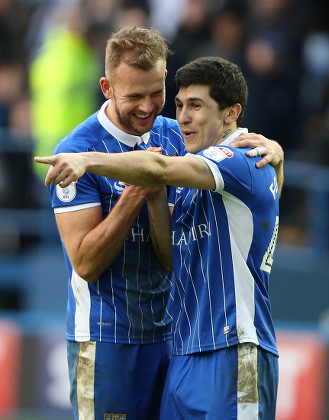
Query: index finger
44	159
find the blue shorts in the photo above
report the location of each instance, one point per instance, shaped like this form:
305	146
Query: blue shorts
117	381
235	383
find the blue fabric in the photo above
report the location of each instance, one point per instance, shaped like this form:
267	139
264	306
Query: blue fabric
129	378
204	386
128	303
223	246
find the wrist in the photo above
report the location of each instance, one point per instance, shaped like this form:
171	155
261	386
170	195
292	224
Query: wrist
155	194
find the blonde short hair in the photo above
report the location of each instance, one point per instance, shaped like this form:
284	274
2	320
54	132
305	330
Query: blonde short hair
137	47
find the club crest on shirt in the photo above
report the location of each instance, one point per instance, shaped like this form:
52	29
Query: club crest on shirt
218	153
119	186
68	193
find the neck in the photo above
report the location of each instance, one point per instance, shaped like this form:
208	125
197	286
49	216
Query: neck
227	131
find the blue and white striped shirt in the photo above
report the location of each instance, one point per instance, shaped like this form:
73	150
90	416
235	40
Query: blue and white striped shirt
128	304
223	246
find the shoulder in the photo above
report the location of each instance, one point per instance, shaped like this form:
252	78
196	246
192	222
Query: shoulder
83	137
164	123
220	153
166	133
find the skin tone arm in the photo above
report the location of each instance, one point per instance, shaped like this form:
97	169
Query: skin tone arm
93	243
143	168
132	168
273	152
147	169
160	226
160	221
89	249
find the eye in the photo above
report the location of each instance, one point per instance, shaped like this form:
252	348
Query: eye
159	93
133	97
179	105
195	105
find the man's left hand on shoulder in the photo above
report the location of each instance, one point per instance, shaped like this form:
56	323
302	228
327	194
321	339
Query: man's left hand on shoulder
271	150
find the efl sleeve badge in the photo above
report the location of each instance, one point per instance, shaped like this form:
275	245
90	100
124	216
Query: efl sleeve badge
68	193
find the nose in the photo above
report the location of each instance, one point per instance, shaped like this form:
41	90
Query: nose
183	116
146	105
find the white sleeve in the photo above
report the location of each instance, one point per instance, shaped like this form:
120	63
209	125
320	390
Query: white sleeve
68	209
215	172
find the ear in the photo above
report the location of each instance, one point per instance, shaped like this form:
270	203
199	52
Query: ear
232	113
106	87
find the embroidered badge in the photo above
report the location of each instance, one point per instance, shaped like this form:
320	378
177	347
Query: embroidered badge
68	193
218	154
115	416
119	186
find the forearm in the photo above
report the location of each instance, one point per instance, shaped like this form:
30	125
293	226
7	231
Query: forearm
147	170
99	248
160	228
143	168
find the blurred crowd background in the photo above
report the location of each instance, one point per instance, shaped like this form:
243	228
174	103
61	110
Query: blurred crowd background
51	60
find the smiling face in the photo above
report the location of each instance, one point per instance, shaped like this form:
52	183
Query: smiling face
201	122
137	96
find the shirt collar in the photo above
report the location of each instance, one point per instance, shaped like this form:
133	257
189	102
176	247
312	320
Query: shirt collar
125	138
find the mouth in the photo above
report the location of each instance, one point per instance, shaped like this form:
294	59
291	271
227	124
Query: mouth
188	134
142	118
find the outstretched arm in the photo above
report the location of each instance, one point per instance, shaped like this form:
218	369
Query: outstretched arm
143	168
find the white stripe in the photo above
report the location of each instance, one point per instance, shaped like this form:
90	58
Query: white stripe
100	318
241	228
176	325
126	291
58	210
222	273
206	278
86	380
81	294
114	307
216	173
247	387
197	324
137	284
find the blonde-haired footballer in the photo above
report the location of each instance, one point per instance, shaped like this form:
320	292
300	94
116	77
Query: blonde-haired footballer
221	244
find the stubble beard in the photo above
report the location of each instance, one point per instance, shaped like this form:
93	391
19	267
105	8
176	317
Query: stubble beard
128	124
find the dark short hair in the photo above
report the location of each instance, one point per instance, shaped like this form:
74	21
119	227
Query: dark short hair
227	85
